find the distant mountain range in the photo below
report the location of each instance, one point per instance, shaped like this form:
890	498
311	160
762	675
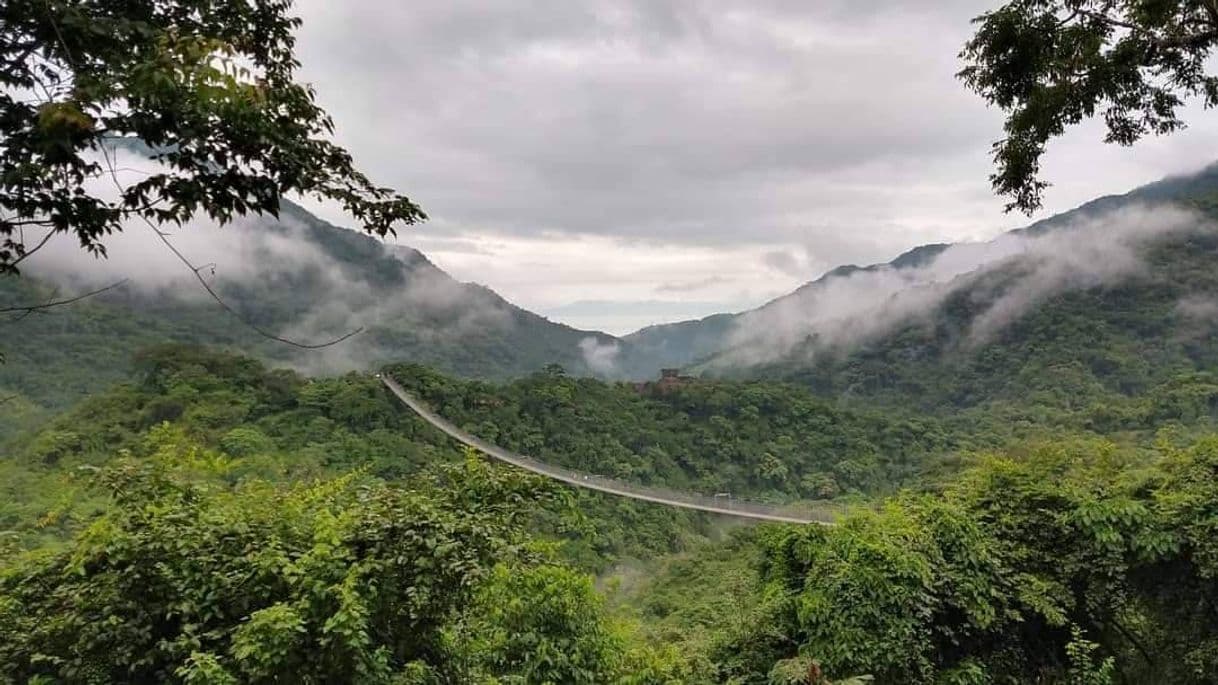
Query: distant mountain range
307	279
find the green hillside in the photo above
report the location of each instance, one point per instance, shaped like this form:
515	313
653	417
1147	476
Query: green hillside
708	343
412	311
1076	350
214	517
765	441
201	446
239	444
409	310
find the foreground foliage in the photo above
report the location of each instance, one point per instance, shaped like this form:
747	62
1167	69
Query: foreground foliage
255	522
1051	64
185	579
210	84
1068	564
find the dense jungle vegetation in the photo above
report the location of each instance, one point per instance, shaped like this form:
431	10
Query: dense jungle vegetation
218	522
231	522
1038	508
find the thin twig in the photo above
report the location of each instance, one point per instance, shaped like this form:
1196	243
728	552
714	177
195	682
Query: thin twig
31	308
26	253
58	34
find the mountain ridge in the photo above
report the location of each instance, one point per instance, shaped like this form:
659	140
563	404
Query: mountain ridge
309	279
696	341
298	276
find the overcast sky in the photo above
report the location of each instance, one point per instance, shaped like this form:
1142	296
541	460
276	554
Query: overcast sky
613	164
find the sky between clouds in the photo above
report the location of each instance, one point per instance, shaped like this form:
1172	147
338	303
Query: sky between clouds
618	163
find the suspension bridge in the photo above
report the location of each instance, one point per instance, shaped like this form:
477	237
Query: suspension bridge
715	504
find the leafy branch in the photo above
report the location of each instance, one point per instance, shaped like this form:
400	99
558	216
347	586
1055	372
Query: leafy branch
1051	64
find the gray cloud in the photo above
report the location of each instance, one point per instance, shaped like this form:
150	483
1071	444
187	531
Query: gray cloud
660	308
786	263
1198	309
621	317
833	131
1197	318
684	121
690	286
279	262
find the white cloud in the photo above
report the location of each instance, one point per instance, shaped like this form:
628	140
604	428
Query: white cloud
600	357
549	274
613	150
843	311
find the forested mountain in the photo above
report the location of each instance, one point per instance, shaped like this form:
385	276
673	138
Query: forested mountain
728	341
1070	349
207	477
1019	454
1017	435
767	441
298	277
1101	303
1119	293
892	329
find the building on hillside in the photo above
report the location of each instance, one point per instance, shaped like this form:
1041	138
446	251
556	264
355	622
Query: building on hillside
670	379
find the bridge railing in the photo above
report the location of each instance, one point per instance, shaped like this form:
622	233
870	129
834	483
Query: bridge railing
712	503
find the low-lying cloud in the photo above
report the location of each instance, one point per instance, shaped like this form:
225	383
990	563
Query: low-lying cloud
1196	317
845	310
264	267
601	357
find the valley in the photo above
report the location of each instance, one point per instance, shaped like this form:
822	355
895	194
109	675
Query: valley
903	437
277	404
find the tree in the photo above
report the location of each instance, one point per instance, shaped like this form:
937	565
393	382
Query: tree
1050	64
542	624
208	85
1070	563
184	580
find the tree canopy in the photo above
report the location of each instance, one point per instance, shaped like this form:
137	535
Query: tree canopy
209	85
1050	64
238	523
1069	563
